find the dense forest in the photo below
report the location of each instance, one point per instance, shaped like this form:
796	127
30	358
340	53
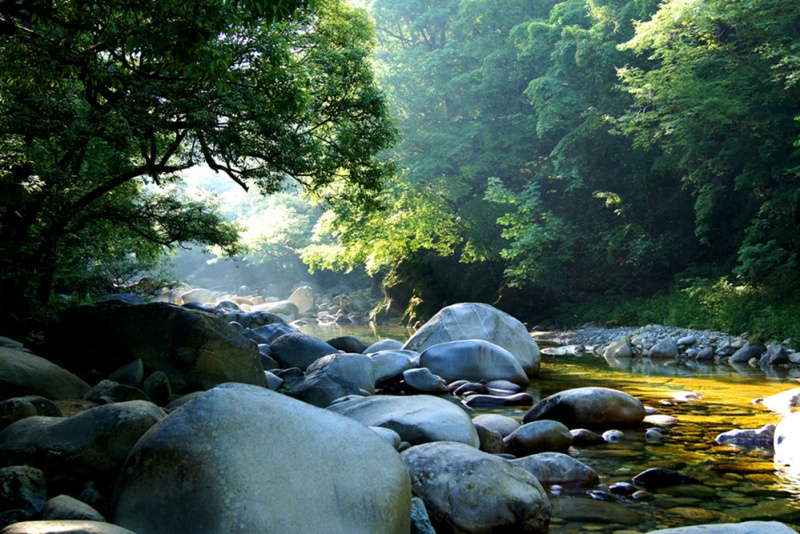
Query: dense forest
584	154
606	160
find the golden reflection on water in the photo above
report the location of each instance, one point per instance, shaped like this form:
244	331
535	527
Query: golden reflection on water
737	483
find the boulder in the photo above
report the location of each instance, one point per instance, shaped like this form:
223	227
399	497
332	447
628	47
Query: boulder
666	348
299	350
384	344
747	527
746	353
348	344
479	321
469	491
22	373
491	441
281	307
423	380
320	389
390	364
157	388
199	295
272	331
787	442
589	407
502	424
266	463
197	350
66	507
485	401
357	368
472	360
93	443
775	354
619	349
131	374
302	298
12	410
420	522
23	492
557	468
64	526
538	436
418	418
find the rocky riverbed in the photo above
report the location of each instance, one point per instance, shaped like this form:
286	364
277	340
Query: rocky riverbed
670	341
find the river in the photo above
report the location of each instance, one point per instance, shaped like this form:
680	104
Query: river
736	484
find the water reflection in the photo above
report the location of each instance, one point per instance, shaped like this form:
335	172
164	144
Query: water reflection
737	483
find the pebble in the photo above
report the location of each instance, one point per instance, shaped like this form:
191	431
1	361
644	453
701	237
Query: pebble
613	436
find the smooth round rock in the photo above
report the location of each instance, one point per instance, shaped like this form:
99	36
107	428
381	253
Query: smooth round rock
265	463
418	418
589	407
538	436
470	320
423	380
473	360
502	424
466	490
66	507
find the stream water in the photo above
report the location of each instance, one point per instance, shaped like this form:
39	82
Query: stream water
736	484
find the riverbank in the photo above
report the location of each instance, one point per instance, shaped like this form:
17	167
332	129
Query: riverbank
690	343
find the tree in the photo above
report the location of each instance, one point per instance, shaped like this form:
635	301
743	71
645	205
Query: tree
104	102
720	95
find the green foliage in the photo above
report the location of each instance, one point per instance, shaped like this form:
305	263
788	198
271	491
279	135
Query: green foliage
101	109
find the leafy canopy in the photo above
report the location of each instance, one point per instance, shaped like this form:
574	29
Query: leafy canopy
104	102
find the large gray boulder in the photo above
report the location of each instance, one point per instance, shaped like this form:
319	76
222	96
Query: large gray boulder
196	349
91	444
589	407
22	373
299	350
390	364
748	527
418	418
357	368
320	389
479	321
469	491
473	360
265	463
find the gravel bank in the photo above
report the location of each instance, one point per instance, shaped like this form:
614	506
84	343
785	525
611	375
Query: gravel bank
690	342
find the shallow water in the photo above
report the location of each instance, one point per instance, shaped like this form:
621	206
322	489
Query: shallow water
736	484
